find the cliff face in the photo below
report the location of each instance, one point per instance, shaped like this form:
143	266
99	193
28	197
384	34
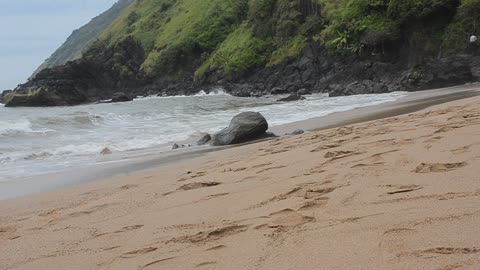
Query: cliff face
82	38
255	47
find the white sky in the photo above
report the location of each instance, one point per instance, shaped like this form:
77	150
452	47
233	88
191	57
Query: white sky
31	30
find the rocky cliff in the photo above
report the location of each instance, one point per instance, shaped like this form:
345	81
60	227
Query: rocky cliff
257	47
82	38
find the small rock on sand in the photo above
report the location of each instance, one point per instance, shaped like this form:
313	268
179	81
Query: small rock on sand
296	132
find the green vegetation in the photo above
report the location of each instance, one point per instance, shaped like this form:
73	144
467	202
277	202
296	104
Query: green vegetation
186	38
237	54
466	22
359	24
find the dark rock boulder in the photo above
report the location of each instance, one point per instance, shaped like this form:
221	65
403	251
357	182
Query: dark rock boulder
292	97
96	76
278	91
106	151
446	72
4	94
243	127
204	140
45	96
360	88
239	90
303	92
176	146
121	97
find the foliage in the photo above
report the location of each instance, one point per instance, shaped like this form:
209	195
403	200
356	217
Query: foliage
240	52
356	24
466	23
291	50
232	37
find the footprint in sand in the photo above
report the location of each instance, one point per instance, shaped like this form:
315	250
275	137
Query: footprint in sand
92	210
307	191
288	218
451	250
261	165
315	203
271	168
438	167
205	264
338	154
127	187
192	176
129	228
48	213
138	252
157	262
235	170
448	128
198	185
463	149
216	248
365	165
7	232
395	242
405	189
211	235
315	193
434	139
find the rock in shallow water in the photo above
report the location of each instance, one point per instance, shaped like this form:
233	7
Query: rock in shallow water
204	140
121	97
106	151
292	97
243	127
176	146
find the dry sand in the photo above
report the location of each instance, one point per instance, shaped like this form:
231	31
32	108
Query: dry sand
397	193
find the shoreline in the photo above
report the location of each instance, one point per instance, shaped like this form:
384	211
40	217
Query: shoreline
413	102
392	193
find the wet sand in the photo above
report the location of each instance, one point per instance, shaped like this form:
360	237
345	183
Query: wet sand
401	192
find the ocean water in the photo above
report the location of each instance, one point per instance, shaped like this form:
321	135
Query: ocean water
36	141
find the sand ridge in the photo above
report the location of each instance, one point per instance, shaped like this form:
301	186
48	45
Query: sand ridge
396	193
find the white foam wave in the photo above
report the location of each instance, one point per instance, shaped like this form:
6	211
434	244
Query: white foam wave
19	127
14	127
202	93
213	92
148	124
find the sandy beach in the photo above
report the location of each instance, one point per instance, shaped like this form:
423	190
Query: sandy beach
396	193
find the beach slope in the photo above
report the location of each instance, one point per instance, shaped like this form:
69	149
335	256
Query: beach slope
396	193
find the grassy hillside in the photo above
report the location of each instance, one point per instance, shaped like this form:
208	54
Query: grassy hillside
251	47
83	37
187	36
190	37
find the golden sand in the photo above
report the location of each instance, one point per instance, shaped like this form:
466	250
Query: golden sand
397	193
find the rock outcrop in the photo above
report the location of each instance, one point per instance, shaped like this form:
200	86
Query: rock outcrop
121	97
206	138
244	127
82	38
292	97
136	56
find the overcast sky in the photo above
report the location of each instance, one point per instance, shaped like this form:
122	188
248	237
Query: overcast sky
31	30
